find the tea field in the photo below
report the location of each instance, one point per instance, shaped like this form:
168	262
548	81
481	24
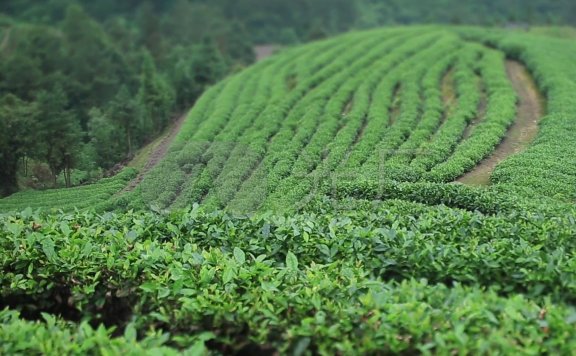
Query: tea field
405	190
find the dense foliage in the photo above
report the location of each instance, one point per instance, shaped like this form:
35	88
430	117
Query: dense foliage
278	20
77	93
392	277
354	143
96	196
421	104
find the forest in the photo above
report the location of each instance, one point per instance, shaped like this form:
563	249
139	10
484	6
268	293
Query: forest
84	84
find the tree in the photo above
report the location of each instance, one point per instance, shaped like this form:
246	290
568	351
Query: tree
155	98
236	45
123	112
208	64
106	139
59	133
181	76
150	34
17	135
194	69
34	57
95	69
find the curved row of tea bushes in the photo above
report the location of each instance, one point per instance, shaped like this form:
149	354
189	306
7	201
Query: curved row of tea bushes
450	132
286	145
302	180
485	137
87	196
546	167
246	148
274	159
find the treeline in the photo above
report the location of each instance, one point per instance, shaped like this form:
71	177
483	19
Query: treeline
79	94
299	20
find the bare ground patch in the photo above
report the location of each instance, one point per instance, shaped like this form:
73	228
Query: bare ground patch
264	51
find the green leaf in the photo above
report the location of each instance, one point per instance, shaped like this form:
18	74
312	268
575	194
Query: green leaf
163	292
48	249
269	286
131	236
239	255
130	333
229	274
49	319
301	346
266	230
65	229
291	261
14	229
148	287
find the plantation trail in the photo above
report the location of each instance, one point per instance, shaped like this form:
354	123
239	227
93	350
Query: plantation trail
522	132
264	51
154	153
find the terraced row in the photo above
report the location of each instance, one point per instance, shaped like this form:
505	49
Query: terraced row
96	196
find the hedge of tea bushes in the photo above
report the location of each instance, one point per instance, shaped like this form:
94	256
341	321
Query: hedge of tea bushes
388	277
87	196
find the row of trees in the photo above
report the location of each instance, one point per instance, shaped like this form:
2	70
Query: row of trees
297	20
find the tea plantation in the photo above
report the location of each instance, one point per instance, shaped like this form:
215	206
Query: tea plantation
320	202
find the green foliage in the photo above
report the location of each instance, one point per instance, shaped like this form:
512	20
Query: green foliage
546	166
155	97
117	97
354	142
94	196
299	124
355	281
58	132
55	336
17	125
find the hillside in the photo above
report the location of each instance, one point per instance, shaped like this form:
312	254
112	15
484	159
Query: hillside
404	190
405	105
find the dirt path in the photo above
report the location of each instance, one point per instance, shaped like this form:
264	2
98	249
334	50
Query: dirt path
265	51
158	152
521	133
